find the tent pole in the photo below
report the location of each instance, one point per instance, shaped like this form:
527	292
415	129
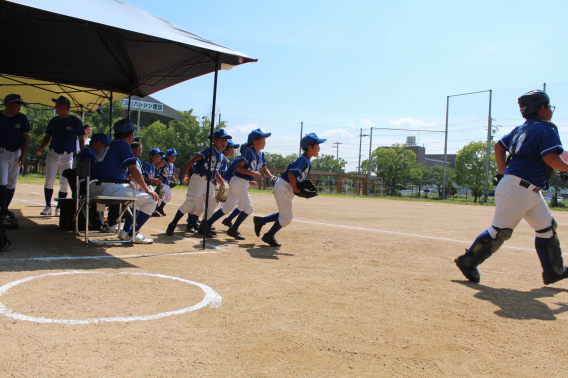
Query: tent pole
110	117
129	99
205	215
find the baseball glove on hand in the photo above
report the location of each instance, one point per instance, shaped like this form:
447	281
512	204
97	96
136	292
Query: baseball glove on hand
306	189
221	192
272	180
173	184
160	191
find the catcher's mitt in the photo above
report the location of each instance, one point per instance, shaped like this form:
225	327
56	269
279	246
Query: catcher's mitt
173	184
221	192
272	180
306	189
160	191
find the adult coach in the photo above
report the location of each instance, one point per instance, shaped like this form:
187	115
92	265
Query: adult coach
534	151
14	128
61	134
113	163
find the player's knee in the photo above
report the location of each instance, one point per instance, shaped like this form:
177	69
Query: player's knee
503	234
49	184
284	220
248	209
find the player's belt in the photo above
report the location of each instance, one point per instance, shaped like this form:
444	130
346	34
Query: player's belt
60	152
9	149
526	184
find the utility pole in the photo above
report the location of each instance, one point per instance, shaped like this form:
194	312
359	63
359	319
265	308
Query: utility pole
138	124
301	136
337	146
544	87
361	135
369	163
219	119
486	186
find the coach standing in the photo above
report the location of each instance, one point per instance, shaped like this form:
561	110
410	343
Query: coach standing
14	128
62	131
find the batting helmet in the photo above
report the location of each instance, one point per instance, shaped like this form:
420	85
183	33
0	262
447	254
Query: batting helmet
531	101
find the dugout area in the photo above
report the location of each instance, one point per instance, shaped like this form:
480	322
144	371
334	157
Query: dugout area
360	287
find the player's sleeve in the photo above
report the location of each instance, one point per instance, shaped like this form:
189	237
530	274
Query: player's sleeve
247	156
128	157
505	142
49	128
549	141
204	153
298	166
80	129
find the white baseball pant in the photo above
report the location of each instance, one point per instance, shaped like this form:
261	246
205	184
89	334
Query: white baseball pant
195	196
9	168
284	194
144	202
238	194
168	191
57	163
515	202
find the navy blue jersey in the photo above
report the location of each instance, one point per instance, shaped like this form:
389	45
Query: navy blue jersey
224	165
540	139
11	130
253	162
148	171
201	167
64	133
300	168
113	161
230	172
167	171
86	153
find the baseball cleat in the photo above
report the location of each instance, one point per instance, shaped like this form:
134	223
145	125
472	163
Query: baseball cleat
191	228
270	240
471	274
208	233
550	278
171	229
258	223
156	214
227	222
161	211
235	234
46	211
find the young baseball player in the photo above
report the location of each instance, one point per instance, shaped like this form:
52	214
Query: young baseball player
61	134
168	173
197	184
285	188
149	168
114	161
251	163
228	221
534	151
14	129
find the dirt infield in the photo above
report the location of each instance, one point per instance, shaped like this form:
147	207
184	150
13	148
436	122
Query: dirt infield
360	287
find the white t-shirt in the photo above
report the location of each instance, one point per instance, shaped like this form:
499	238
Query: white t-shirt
87	141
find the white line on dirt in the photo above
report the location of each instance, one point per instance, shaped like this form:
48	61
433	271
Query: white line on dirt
99	257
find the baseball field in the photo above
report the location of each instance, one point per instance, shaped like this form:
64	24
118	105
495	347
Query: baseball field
360	287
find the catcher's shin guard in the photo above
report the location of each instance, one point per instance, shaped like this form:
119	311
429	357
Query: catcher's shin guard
550	254
481	249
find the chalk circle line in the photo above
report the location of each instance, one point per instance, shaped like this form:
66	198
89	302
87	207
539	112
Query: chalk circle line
212	298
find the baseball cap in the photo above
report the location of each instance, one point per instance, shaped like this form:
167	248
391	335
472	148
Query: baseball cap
137	139
124	126
171	152
100	137
310	139
257	134
62	100
221	133
244	147
230	143
14	98
155	151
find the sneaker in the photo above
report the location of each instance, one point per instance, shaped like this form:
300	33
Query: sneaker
171	229
57	212
258	223
235	234
191	228
156	214
270	240
11	214
46	211
141	239
122	235
550	278
109	229
470	273
227	222
208	233
161	211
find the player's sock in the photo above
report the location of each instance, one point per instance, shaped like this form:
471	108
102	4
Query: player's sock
141	218
3	197
270	218
9	196
48	194
161	207
215	217
542	250
177	217
127	227
61	195
234	214
274	229
240	219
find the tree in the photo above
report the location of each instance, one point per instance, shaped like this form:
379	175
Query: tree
438	178
328	163
470	167
395	164
279	161
556	183
424	179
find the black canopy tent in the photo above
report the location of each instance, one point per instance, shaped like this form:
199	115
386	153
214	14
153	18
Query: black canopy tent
107	45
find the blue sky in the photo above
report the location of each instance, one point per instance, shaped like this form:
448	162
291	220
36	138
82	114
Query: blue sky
340	66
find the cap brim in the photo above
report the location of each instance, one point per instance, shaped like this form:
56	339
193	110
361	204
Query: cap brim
320	141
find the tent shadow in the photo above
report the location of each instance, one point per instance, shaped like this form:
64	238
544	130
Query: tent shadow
520	305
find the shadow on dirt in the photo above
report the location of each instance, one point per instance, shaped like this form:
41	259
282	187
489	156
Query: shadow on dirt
521	305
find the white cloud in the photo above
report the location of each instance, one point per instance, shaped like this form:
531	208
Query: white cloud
367	122
337	134
288	138
411	123
243	130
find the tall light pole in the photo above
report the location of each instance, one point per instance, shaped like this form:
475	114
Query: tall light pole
301	136
337	146
486	185
361	135
369	162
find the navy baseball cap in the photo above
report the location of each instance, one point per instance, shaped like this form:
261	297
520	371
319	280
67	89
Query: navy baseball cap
155	151
244	147
14	98
257	134
100	137
62	100
230	143
221	133
137	139
171	152
124	126
310	139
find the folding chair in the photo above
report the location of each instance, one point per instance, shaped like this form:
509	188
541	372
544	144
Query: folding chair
84	199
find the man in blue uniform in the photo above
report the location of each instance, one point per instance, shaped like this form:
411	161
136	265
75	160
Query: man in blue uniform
14	128
534	151
168	174
61	135
149	168
112	163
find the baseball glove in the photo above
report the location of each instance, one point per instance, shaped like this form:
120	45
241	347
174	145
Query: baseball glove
160	191
173	184
306	189
221	192
272	180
